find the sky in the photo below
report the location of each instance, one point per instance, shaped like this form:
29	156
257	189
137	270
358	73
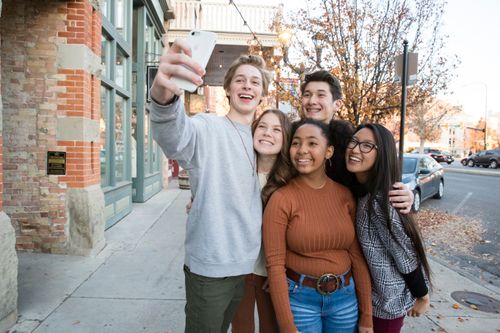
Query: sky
474	33
473	28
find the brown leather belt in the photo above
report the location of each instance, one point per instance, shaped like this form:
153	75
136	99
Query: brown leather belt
325	284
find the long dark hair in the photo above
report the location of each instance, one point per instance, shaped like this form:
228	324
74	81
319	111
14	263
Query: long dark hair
282	170
384	173
341	132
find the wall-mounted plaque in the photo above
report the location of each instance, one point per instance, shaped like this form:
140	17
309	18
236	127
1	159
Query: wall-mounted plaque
56	163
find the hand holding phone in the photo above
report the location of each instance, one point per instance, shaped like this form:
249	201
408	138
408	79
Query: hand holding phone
202	44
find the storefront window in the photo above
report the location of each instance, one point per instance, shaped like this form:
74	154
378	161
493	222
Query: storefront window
105	52
155	151
121	68
147	45
102	137
120	107
104	7
121	17
116	91
146	144
133	152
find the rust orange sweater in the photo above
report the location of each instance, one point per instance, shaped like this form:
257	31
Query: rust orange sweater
311	231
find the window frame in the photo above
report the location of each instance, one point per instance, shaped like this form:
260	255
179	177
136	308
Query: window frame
116	42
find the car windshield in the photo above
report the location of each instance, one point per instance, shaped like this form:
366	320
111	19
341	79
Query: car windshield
409	164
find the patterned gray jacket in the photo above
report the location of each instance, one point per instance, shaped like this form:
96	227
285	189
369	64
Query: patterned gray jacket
391	258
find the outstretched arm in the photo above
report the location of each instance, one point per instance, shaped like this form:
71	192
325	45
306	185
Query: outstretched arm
171	128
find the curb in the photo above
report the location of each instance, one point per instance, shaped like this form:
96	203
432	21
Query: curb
473	172
465	274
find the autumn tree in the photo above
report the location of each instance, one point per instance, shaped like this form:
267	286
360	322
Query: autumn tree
358	41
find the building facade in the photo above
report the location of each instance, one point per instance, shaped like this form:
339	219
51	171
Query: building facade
77	148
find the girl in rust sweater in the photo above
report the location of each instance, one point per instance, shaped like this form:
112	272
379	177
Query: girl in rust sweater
318	277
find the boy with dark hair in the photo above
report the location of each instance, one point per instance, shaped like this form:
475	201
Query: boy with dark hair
321	100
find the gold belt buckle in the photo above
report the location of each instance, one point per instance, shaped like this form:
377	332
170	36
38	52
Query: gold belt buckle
328	283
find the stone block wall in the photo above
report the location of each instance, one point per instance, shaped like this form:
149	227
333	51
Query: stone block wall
8	256
50	90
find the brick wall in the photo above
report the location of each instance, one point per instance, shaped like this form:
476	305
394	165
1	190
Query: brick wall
79	92
36	92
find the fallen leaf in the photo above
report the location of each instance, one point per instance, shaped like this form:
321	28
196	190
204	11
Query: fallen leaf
76	322
460	319
472	306
456	306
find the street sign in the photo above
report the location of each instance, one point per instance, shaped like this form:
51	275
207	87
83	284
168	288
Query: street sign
412	68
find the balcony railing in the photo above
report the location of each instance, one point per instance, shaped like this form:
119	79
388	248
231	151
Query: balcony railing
223	18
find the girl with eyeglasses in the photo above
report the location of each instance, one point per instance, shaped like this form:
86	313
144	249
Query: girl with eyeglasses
318	277
391	241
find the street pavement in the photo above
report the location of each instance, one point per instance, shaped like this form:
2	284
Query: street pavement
456	167
136	283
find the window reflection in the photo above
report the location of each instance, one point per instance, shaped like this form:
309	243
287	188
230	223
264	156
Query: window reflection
147	45
104	7
121	67
104	56
102	137
119	138
133	148
146	143
120	17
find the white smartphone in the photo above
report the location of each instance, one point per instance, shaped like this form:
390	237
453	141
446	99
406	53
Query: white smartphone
202	44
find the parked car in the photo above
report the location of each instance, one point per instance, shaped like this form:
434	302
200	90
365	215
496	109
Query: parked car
448	157
486	158
436	154
424	176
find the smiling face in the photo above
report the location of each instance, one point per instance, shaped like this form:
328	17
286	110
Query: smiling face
245	90
358	162
309	150
268	136
318	102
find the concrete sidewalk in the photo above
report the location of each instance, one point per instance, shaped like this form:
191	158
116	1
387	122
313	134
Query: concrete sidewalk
136	283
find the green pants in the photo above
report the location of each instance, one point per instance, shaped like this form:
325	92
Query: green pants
211	302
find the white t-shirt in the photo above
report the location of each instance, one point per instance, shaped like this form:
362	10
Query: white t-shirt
260	264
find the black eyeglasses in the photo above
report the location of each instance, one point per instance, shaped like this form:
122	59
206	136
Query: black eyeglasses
364	147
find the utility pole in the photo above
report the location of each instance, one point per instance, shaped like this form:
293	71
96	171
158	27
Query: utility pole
406	72
404	82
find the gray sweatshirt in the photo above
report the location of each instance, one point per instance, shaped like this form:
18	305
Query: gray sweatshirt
223	230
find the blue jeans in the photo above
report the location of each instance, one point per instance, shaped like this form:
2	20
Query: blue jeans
315	313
